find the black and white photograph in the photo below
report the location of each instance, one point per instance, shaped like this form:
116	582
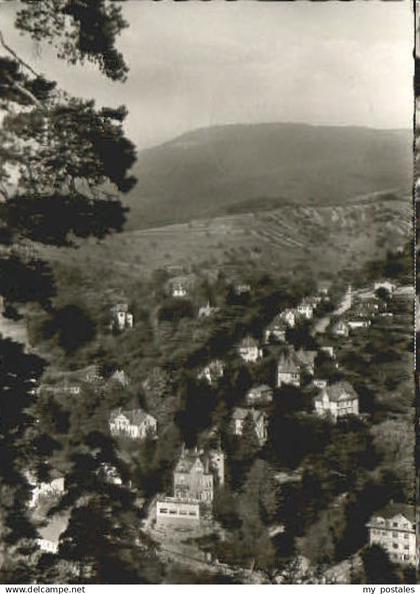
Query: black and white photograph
207	293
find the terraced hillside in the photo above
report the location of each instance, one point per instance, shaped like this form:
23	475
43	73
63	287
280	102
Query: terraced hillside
327	239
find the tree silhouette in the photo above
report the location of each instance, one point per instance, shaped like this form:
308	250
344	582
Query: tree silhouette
63	162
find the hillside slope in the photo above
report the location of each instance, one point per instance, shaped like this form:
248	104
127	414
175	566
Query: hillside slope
240	168
326	239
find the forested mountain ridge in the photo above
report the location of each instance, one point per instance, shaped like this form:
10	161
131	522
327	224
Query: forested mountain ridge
239	168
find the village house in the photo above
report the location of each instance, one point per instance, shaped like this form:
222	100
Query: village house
288	369
121	318
207	310
259	395
213	371
91	374
340	328
336	401
179	290
313	300
289	316
45	489
180	286
393	528
120	377
305	309
259	419
365	309
242	289
135	424
249	350
276	330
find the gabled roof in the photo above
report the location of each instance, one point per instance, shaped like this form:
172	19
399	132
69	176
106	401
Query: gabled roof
288	363
307	357
187	460
336	391
391	510
136	416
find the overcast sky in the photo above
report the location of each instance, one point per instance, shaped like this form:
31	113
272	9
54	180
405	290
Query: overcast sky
196	64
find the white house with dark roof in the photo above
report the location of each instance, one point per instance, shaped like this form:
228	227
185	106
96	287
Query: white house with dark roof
393	528
337	400
250	350
135	423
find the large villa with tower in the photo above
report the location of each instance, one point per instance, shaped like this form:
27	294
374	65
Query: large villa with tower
194	479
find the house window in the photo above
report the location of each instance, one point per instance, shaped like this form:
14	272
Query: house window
182	512
395	545
405	536
406	548
163	510
192	513
395	535
172	512
395	524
